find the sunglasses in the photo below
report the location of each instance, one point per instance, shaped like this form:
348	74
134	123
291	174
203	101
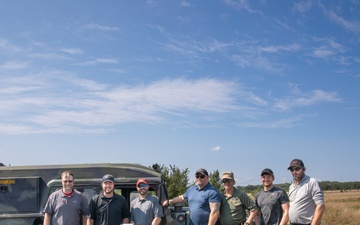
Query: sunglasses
67	181
142	185
202	176
296	169
225	181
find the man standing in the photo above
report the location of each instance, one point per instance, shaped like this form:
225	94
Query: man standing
203	198
108	208
234	203
66	206
146	209
272	201
306	197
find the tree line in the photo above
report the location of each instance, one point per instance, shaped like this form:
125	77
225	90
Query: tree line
177	181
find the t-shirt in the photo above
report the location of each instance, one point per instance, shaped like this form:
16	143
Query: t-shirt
269	203
143	211
199	200
66	210
303	200
108	211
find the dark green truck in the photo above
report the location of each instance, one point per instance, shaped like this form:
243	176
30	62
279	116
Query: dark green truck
24	190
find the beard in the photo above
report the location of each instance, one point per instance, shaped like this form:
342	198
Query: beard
267	184
108	191
299	177
143	191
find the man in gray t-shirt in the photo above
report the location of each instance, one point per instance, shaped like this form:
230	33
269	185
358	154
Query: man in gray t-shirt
272	201
306	197
146	209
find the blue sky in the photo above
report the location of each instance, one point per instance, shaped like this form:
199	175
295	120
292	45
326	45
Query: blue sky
226	85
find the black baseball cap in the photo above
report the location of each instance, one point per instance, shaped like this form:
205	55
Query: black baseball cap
108	177
267	171
202	171
296	163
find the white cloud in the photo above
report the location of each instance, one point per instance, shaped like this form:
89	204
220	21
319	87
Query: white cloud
277	48
322	53
12	65
57	101
48	56
95	26
100	60
353	26
314	97
185	3
216	148
243	4
61	102
72	51
283	123
302	6
4	44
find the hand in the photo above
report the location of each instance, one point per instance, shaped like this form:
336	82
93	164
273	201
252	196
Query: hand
166	203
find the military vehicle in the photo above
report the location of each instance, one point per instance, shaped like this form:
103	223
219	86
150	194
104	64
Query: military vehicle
24	190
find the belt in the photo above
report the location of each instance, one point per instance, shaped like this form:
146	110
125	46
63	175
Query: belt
299	223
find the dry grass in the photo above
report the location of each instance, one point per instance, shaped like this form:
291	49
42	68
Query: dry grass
342	208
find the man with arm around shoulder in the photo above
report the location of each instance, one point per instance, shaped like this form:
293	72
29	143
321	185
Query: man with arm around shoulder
203	198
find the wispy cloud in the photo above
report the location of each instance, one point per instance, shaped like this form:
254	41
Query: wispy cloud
95	26
48	56
216	148
243	4
327	49
353	26
72	51
185	3
282	48
322	53
6	45
302	6
100	61
13	65
56	101
88	104
284	123
314	97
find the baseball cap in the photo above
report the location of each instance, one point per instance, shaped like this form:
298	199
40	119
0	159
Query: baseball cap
296	163
202	171
142	180
267	171
227	175
108	177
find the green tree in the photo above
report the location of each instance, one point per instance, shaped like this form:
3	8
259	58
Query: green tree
215	180
177	180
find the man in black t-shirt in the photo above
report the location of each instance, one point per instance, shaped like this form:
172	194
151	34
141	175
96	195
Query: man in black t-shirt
108	208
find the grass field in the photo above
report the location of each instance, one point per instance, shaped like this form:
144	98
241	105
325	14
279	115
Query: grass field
342	208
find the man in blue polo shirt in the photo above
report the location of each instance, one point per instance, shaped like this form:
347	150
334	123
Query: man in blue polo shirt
203	198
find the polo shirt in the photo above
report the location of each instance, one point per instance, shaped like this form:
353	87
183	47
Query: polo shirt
232	209
108	211
303	200
66	210
199	200
143	211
